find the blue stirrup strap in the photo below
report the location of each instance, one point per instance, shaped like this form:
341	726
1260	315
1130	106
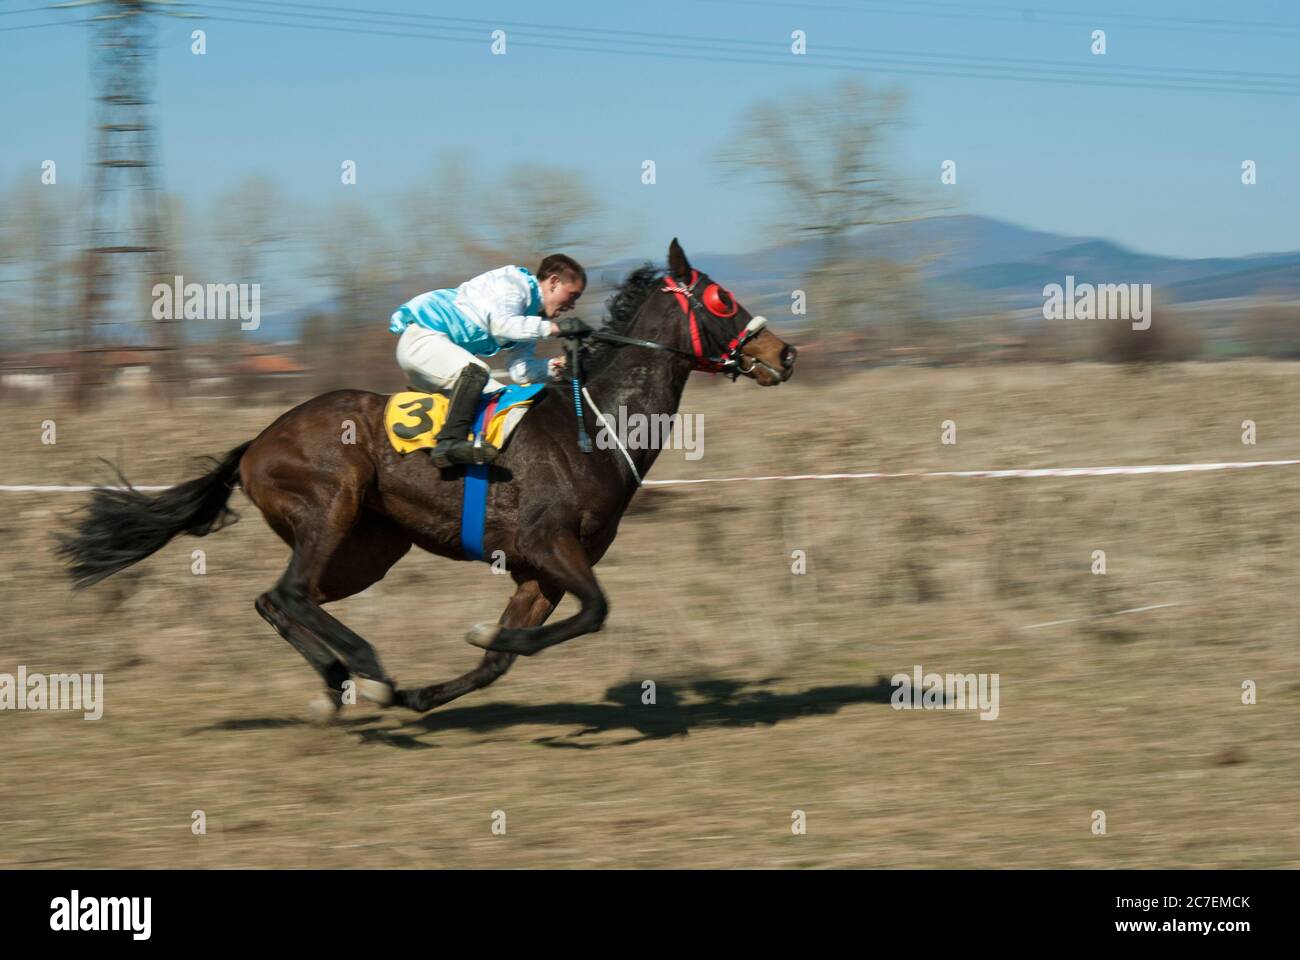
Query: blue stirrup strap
473	514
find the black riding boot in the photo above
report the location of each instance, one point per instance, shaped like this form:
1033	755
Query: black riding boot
452	447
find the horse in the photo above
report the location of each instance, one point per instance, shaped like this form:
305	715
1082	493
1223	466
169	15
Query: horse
350	511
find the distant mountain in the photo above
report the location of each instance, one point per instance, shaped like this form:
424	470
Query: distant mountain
958	243
950	244
1099	261
1278	277
972	258
287	324
966	261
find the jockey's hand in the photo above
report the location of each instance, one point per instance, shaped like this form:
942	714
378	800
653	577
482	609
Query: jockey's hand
570	327
557	365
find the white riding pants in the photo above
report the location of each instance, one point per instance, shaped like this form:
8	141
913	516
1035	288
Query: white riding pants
433	363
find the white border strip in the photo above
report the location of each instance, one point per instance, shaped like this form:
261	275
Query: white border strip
34	488
1139	470
1103	616
1004	474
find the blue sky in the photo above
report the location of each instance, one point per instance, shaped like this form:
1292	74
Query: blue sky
1154	169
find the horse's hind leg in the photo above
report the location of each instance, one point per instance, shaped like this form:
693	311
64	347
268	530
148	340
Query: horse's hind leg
359	656
362	558
331	669
312	492
529	607
335	554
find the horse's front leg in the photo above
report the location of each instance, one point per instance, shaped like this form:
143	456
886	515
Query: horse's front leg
529	606
566	569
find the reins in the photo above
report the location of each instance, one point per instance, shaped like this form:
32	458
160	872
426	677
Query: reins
727	363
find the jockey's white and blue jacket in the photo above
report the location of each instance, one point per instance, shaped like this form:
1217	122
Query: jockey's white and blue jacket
500	309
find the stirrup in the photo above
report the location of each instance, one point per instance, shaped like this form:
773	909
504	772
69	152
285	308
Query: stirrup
462	452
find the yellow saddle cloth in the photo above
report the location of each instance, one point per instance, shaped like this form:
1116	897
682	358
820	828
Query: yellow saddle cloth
412	419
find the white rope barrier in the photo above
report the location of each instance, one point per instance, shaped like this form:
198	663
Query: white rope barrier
1130	471
1138	470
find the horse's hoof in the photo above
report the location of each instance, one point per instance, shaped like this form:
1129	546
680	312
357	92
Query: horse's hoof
483	635
376	691
322	709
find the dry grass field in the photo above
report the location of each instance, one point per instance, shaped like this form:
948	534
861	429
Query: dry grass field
773	689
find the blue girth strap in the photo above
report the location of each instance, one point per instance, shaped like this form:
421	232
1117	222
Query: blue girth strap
474	508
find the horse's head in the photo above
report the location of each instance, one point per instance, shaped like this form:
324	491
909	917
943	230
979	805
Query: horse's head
721	334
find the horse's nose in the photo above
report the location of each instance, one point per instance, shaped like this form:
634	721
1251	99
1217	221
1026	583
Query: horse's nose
788	354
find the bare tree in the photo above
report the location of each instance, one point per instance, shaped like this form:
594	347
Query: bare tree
8	259
454	225
539	210
247	222
356	258
173	260
440	239
35	225
823	152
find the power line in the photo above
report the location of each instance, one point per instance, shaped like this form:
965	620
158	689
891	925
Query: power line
37	26
1286	85
1023	15
904	63
915	63
609	35
710	42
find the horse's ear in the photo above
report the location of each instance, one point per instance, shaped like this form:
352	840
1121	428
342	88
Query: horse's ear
678	265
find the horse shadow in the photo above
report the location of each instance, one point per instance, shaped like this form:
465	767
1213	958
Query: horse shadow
679	707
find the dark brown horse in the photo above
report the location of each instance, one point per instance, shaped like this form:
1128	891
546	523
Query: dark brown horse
349	511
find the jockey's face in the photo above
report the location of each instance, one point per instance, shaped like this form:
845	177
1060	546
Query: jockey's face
559	295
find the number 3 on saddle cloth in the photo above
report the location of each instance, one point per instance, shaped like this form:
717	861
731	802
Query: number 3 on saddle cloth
412	421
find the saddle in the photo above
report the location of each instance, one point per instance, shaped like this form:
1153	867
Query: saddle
412	419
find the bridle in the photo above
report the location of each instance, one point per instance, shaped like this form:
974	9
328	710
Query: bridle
716	302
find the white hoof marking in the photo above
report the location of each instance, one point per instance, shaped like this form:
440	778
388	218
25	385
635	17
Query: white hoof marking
482	634
375	691
321	710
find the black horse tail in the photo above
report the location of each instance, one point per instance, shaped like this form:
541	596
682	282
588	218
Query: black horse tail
123	526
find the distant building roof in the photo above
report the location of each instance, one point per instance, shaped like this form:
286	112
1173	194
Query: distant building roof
268	363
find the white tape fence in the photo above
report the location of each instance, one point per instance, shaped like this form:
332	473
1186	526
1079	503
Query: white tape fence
1128	471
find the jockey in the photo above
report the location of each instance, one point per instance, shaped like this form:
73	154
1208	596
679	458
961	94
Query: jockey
444	332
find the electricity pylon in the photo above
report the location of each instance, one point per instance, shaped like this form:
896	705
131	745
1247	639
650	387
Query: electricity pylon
124	230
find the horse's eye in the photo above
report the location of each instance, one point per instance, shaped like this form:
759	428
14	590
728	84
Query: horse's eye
719	301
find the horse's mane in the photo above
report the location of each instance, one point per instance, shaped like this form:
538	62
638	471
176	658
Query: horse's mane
620	308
